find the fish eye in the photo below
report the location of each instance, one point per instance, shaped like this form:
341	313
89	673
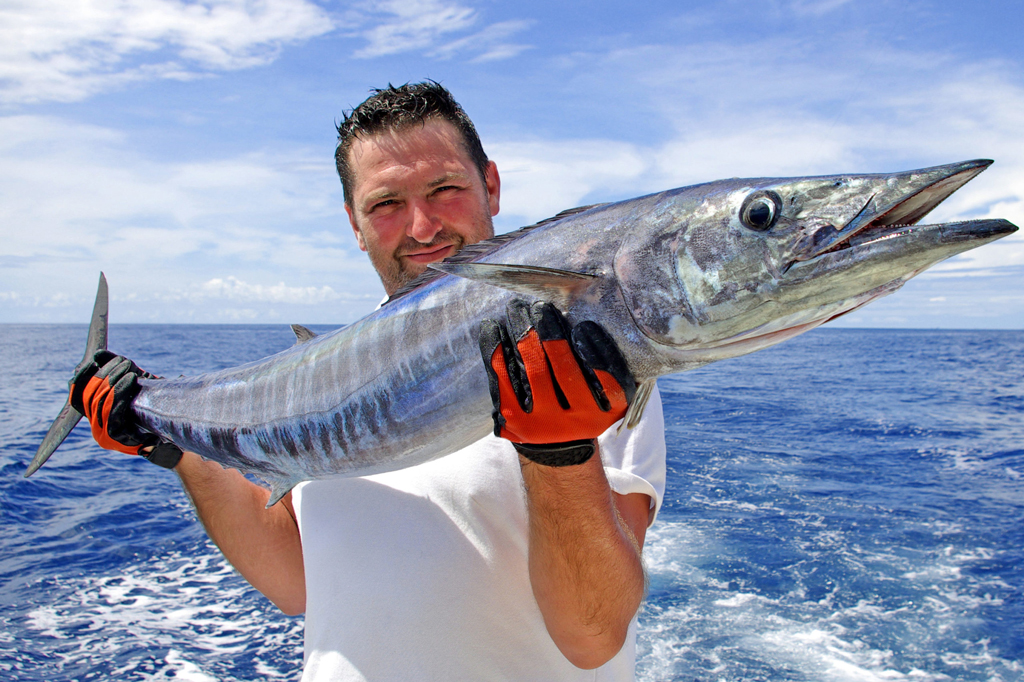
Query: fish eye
760	210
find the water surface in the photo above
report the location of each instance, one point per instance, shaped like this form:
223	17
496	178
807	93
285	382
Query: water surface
846	506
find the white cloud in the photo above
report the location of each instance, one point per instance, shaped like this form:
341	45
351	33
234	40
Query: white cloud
775	109
540	178
69	50
426	25
87	182
489	44
66	50
235	289
816	7
76	199
413	25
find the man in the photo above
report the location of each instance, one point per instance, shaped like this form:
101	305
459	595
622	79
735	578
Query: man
485	564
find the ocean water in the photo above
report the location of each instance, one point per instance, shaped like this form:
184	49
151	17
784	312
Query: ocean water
846	506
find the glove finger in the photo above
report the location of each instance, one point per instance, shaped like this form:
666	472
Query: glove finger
549	321
121	419
121	431
507	412
98	359
515	376
99	401
494	364
84	371
571	382
118	366
518	319
598	351
115	369
101	392
525	322
108	443
517	325
93	396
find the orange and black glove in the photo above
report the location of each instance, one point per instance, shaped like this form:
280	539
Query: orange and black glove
555	388
102	389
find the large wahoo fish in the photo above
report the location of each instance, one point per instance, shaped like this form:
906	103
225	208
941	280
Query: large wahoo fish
679	279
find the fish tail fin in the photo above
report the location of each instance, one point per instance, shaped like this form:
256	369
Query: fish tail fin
69	416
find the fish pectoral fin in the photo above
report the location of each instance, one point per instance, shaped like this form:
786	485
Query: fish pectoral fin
636	408
302	334
279	489
551	284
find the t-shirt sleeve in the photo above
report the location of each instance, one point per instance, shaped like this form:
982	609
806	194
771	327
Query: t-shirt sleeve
634	460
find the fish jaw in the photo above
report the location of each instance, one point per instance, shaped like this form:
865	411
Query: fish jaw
818	290
707	285
892	201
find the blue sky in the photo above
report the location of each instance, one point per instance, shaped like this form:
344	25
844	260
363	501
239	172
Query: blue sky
186	148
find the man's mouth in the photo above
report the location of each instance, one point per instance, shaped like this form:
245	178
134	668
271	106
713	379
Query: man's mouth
431	254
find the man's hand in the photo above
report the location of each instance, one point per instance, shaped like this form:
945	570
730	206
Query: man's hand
552	398
102	388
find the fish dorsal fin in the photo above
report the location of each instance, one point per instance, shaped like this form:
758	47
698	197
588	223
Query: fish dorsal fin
636	408
550	284
482	248
302	334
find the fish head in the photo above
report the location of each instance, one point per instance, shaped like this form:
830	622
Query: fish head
723	269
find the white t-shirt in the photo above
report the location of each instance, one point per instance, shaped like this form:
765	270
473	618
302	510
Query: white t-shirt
421	574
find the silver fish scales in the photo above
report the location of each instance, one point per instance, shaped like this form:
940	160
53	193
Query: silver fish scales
679	279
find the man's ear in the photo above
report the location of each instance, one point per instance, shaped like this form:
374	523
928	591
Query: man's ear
493	183
355	228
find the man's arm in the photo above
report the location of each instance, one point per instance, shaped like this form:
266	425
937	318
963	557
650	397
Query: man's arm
262	544
584	557
555	388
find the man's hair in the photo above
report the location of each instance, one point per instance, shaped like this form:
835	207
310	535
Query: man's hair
392	109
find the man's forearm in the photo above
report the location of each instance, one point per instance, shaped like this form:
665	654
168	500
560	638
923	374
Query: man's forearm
262	544
585	565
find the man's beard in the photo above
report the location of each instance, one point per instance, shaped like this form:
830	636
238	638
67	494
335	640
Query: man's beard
396	272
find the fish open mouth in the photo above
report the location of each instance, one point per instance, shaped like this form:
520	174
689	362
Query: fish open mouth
888	214
900	217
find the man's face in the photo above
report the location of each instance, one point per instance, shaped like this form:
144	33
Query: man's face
417	198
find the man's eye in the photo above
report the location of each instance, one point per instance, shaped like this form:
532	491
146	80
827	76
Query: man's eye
383	204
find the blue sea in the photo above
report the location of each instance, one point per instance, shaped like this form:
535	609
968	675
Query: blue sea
848	505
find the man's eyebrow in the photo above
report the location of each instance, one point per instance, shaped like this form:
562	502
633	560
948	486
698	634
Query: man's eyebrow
447	177
380	196
385	194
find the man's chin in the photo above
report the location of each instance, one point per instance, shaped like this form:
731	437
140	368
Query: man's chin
407	273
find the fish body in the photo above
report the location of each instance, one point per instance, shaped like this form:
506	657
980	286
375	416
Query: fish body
679	279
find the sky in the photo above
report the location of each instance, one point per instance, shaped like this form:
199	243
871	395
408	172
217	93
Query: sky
186	148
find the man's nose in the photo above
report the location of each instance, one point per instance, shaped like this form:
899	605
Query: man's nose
424	224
